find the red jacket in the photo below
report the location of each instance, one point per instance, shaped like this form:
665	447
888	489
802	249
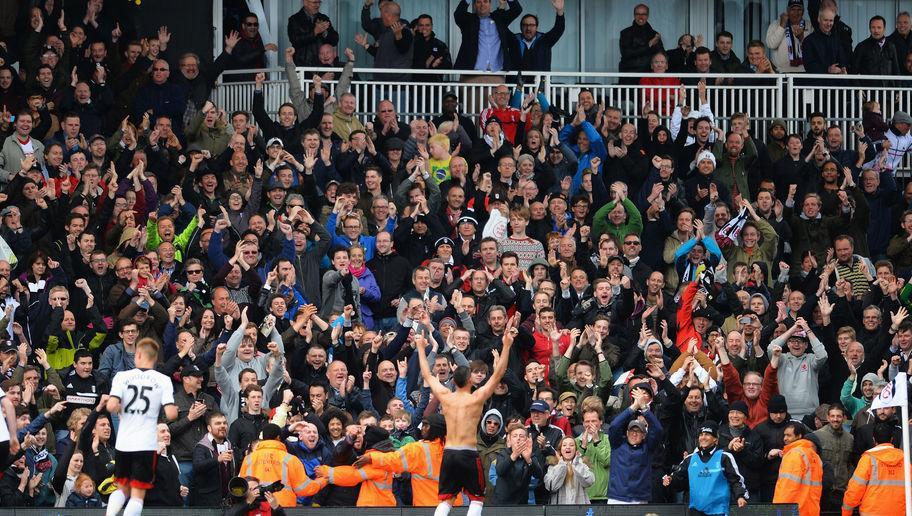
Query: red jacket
757	408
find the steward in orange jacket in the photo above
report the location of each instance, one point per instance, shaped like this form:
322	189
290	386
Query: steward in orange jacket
422	459
376	483
801	473
270	461
877	485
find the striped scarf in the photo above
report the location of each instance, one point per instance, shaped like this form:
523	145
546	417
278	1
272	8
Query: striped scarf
729	233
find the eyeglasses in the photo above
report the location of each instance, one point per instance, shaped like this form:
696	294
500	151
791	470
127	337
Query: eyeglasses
632	242
128	332
160	70
195	271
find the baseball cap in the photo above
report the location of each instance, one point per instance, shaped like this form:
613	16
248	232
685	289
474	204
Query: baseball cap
710	427
565	395
275	141
191	370
497	197
540	406
636	423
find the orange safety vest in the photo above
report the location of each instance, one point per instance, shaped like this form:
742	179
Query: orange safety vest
422	459
376	483
270	461
876	487
800	478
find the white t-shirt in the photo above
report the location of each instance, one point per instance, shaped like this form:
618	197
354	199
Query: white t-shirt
142	394
4	431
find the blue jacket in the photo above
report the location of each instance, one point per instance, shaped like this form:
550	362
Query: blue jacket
596	148
630	479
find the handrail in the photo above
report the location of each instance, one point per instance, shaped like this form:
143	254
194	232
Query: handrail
608	75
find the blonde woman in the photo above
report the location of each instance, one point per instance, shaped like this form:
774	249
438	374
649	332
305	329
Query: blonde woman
568	479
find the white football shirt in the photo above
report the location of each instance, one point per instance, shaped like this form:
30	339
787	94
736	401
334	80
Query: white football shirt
142	394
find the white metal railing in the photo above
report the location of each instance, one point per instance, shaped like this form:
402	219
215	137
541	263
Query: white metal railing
763	97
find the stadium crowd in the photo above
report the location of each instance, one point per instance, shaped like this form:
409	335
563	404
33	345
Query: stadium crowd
703	313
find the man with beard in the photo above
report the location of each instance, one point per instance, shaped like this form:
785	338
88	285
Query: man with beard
836	446
214	463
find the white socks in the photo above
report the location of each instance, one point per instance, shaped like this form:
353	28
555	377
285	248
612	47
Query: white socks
115	502
135	507
443	509
475	508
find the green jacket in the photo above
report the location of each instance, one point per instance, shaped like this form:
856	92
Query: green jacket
763	252
851	403
632	225
734	175
604	377
62	345
599	455
181	240
214	139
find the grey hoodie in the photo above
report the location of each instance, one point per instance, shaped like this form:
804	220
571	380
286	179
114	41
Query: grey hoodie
798	376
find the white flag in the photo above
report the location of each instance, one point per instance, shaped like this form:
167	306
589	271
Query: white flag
894	394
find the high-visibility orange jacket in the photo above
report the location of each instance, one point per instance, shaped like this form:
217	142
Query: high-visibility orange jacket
800	478
376	483
422	459
877	486
270	462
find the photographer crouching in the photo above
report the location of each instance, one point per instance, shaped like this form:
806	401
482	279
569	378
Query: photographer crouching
249	498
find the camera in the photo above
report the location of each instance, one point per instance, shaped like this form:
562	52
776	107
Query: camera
274	487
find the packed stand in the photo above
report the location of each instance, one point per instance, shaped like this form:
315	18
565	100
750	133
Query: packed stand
698	312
